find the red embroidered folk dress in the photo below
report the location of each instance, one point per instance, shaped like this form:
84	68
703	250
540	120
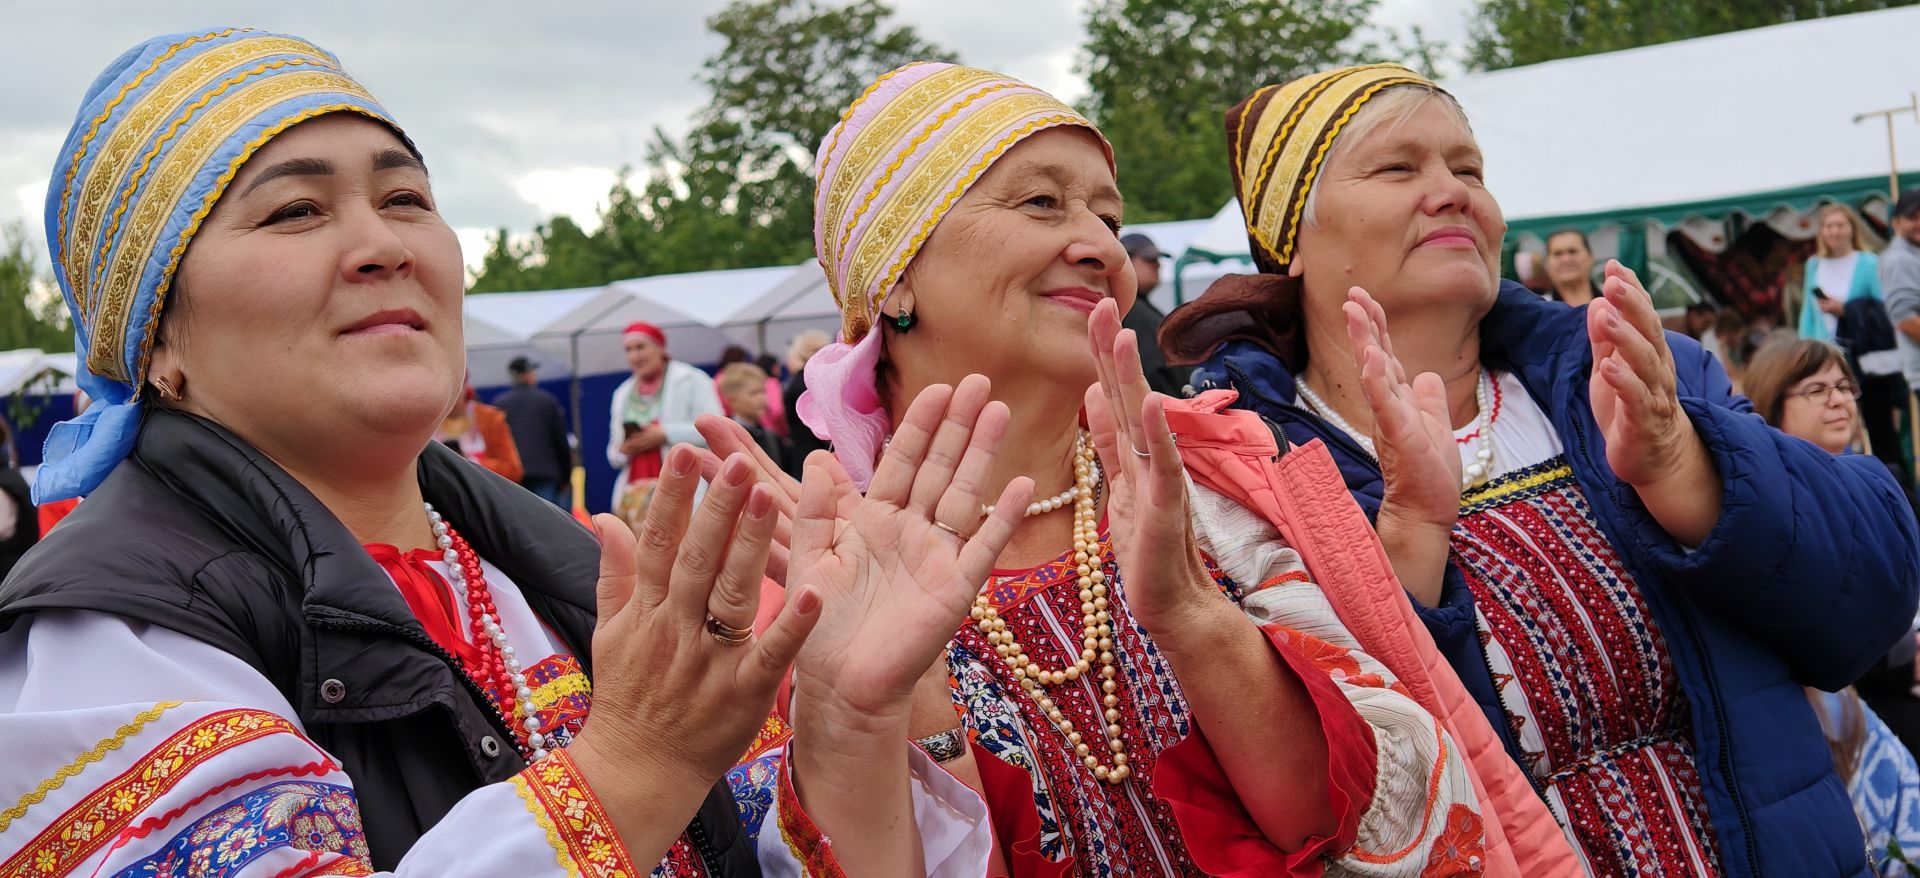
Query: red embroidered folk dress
1583	672
1177	815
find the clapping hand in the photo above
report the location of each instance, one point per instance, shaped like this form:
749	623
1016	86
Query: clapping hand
681	683
1148	514
1412	429
1633	388
899	568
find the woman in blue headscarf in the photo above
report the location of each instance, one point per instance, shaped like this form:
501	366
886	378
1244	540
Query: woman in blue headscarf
289	635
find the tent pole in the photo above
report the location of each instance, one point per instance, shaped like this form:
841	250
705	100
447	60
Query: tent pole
1893	161
573	380
1893	164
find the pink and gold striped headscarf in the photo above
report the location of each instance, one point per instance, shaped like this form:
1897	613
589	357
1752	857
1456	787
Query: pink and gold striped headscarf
886	175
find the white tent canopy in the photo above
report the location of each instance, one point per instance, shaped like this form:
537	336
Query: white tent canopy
1697	121
35	372
577	332
801	300
1739	121
501	326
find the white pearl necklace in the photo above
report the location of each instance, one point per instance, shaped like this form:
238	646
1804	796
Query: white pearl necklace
523	694
1473	475
1096	634
1061	500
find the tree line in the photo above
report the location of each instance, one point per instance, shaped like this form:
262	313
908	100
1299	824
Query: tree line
736	189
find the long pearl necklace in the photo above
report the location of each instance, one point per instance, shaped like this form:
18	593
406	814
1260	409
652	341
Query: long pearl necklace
1474	474
1061	500
1096	631
499	664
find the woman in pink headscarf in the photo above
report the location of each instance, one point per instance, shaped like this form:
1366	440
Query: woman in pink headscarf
968	225
653	410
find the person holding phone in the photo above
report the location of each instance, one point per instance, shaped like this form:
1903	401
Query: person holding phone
1841	270
652	410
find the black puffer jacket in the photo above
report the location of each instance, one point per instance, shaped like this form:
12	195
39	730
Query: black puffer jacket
199	532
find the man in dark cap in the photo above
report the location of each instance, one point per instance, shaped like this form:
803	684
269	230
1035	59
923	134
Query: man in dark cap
539	428
1144	319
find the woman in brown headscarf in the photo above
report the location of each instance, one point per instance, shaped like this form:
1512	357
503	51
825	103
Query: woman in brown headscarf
1621	564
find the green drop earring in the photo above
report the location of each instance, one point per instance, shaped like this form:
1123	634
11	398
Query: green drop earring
904	321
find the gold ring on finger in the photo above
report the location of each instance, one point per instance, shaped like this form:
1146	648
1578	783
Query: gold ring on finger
727	634
956	534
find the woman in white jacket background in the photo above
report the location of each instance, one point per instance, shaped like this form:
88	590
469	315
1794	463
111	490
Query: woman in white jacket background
653	410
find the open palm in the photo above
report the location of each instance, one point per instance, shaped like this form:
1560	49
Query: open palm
897	578
1634	386
1147	511
1413	432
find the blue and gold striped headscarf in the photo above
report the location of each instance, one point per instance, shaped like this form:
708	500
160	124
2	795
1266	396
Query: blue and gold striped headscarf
158	138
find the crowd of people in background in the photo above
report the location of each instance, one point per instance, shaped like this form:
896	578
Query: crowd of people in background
1368	561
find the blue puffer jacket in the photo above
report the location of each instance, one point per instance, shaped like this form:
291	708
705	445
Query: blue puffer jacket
1807	578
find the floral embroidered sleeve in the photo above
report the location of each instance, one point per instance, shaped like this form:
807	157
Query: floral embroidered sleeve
955	836
1404	803
113	786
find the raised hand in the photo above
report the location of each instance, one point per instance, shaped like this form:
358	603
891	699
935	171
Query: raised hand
1412	429
900	567
1633	388
680	683
1147	507
1634	391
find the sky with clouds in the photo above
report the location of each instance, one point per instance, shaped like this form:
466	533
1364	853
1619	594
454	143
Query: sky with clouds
523	109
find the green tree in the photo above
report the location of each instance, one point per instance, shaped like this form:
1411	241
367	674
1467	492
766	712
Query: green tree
1509	33
31	314
737	190
1162	72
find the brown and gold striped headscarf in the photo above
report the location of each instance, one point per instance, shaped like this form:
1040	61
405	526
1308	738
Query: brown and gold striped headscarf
1278	140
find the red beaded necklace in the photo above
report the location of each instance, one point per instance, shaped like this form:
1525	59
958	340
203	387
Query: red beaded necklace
493	663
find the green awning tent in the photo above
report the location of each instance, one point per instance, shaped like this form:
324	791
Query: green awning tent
1732	129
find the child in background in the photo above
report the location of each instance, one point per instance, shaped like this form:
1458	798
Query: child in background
743	393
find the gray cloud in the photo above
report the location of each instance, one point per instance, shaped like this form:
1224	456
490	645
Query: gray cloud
490	90
494	89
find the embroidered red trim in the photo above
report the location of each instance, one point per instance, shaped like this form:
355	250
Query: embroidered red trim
577	819
310	866
153	824
813	849
773	733
100	817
